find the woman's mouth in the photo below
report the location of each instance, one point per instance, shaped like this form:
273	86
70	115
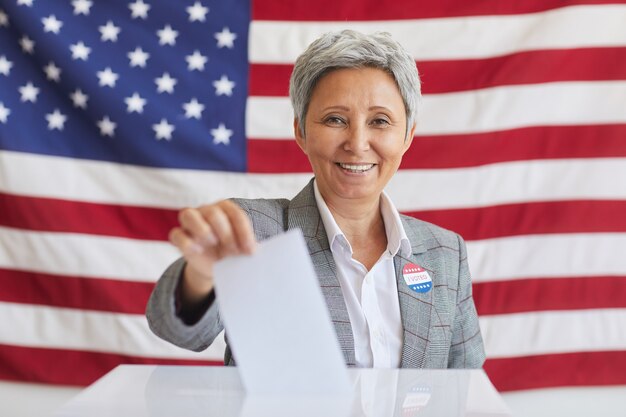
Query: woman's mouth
356	168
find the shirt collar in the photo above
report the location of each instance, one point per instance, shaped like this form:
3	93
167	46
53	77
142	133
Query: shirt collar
397	240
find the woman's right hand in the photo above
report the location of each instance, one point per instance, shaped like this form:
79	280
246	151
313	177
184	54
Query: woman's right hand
205	235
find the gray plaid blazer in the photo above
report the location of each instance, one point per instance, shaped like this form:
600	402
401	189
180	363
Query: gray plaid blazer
440	326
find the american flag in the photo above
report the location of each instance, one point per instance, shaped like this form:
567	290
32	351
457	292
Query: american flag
115	114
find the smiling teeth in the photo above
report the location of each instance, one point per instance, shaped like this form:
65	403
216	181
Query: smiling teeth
356	168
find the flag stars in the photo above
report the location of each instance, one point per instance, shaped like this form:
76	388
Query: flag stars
197	12
4	113
223	86
28	3
167	36
107	77
109	32
53	73
196	61
82	6
225	38
5	65
139	9
28	92
79	99
193	109
163	130
135	103
138	58
80	51
165	83
51	24
221	135
27	45
4	19
56	120
106	126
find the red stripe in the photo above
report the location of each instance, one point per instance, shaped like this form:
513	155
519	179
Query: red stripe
54	215
542	294
329	10
466	150
74	292
584	64
566	369
573	216
70	367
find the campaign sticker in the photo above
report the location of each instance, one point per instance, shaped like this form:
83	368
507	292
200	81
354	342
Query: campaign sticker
417	278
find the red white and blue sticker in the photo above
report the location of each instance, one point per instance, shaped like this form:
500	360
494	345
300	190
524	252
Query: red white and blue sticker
417	278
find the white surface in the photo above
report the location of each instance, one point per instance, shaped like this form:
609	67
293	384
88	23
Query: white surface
165	391
278	325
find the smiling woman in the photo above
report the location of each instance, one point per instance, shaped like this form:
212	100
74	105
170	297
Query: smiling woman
398	289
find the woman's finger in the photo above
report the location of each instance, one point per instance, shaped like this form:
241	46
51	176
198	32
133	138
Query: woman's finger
242	226
192	222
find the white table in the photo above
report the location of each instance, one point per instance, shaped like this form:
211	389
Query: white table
185	391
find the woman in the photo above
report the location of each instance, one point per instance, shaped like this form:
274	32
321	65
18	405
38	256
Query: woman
398	289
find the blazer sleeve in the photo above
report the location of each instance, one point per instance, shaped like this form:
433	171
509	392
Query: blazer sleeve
466	350
164	321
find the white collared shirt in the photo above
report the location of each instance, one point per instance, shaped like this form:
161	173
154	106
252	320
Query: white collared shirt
371	296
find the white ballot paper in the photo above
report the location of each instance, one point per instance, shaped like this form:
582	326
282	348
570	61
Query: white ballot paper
277	322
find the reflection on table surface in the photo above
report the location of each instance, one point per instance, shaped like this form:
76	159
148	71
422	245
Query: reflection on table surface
164	391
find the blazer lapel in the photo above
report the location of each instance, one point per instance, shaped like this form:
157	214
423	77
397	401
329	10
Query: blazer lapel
415	308
303	214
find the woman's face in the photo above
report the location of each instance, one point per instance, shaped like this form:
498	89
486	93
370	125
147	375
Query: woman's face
355	133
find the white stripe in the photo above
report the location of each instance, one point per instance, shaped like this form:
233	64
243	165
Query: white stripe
85	255
410	190
455	38
525	334
490	109
545	256
62	328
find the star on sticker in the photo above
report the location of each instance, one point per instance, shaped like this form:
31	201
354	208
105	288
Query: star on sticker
163	130
109	32
197	12
107	77
28	3
106	126
221	134
27	44
4	113
79	99
139	9
223	86
225	38
56	120
53	72
80	51
193	109
28	92
167	36
196	61
4	19
82	6
165	83
138	58
5	65
51	24
135	103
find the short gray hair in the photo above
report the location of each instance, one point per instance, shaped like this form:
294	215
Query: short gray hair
351	49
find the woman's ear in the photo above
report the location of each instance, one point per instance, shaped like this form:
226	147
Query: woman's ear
409	138
298	134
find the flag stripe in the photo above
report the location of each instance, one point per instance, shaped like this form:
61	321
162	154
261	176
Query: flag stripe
550	332
456	38
114	296
325	10
588	103
540	294
64	328
564	369
540	66
71	366
466	150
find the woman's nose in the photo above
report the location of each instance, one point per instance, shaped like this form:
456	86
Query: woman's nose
357	140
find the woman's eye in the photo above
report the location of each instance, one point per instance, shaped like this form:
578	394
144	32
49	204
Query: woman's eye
380	122
334	120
